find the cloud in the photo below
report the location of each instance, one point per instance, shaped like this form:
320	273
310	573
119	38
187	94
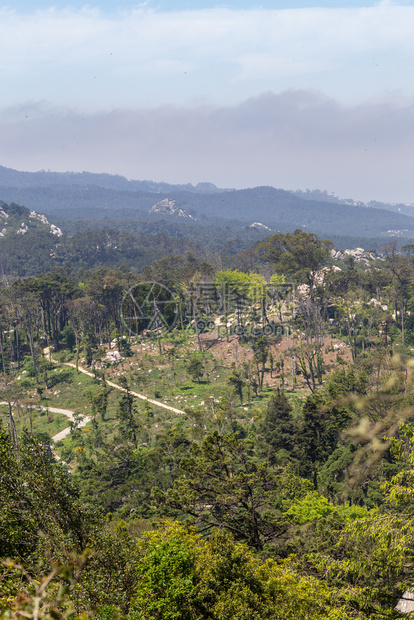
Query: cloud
294	139
86	56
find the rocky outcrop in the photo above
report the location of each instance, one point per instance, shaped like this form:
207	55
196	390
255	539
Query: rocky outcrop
358	254
18	220
43	219
170	207
259	226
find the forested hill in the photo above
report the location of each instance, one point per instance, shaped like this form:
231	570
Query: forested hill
43	178
95	197
18	220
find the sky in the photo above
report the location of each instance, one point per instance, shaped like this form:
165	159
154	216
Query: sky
296	94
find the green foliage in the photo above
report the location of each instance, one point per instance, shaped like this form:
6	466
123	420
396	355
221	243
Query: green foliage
276	432
41	512
314	506
127	414
183	576
195	367
298	255
245	496
325	415
237	381
108	579
224	486
43	598
166	576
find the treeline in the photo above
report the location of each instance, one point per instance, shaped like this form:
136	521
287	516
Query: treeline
40	251
114	244
278	209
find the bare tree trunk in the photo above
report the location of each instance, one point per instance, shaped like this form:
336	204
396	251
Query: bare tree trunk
13	431
200	345
402	318
2	351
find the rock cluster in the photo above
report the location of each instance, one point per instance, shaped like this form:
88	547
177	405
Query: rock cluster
170	207
358	254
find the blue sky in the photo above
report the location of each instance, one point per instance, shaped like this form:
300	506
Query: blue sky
165	5
83	83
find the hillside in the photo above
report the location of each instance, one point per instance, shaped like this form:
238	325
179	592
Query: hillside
67	197
273	418
18	220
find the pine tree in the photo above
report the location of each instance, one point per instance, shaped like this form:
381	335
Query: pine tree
277	430
127	414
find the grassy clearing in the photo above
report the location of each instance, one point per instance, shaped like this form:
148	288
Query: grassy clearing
160	371
36	420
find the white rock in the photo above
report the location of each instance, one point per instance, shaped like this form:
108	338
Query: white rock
113	357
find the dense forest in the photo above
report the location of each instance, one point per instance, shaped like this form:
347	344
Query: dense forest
197	432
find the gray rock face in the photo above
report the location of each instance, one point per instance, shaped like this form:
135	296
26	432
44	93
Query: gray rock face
259	226
170	207
55	230
406	603
358	254
113	357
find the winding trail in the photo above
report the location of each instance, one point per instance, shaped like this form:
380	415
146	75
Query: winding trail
66	430
118	387
70	414
67	412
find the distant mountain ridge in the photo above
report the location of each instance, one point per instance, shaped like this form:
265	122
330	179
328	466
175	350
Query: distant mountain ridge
46	178
323	196
114	201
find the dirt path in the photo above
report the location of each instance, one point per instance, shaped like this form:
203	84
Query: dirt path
70	414
118	387
67	412
66	430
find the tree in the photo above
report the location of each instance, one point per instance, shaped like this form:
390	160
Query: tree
195	368
261	352
310	363
29	318
299	255
277	430
115	476
167	576
185	577
99	401
80	313
127	414
325	414
12	393
318	433
40	507
237	381
223	486
401	268
373	555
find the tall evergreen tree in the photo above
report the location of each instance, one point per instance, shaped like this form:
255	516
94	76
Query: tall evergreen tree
277	430
127	414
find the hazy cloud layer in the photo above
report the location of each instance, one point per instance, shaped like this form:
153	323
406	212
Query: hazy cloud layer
97	60
295	139
156	94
